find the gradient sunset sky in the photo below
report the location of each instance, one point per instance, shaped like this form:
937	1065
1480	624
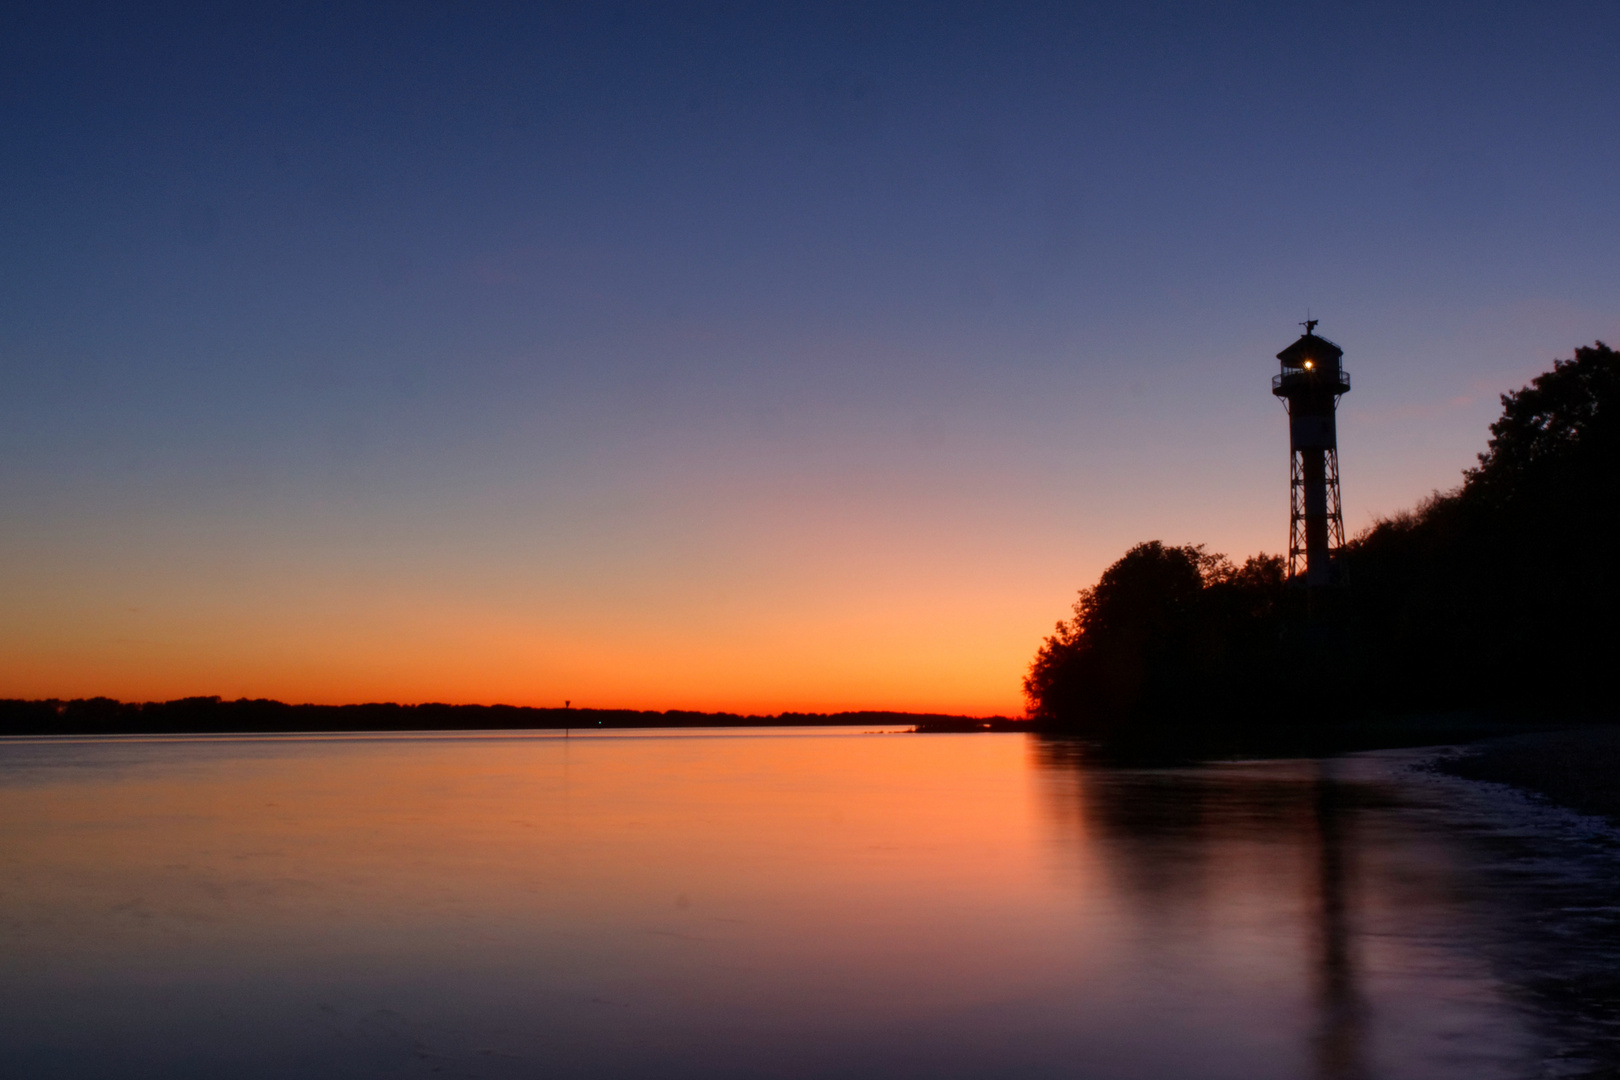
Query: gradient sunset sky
736	356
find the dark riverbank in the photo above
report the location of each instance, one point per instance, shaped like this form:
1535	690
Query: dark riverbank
211	715
1578	769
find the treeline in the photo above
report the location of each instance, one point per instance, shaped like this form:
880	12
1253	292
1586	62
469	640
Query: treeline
207	715
1497	598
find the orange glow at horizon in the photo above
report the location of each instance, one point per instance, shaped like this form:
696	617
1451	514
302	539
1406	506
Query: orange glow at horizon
825	646
797	602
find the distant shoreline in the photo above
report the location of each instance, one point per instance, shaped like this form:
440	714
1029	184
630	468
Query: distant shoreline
214	716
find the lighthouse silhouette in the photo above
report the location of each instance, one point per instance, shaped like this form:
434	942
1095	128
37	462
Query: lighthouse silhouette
1310	385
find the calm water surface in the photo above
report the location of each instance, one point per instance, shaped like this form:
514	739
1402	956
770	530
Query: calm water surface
752	904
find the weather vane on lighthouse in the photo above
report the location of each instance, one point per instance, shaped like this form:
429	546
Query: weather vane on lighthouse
1310	385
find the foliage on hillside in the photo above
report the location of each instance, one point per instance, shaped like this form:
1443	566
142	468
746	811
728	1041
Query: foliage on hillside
1504	591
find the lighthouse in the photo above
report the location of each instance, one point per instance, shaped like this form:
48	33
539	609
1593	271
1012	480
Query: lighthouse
1310	384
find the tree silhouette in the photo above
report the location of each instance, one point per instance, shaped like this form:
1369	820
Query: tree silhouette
1161	649
1501	592
1497	596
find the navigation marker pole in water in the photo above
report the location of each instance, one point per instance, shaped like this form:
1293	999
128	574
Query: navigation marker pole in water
1310	385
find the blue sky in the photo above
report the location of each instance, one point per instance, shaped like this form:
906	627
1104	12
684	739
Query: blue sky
736	355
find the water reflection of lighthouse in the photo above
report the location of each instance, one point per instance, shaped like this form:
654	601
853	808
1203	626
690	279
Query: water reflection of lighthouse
1193	854
1341	1029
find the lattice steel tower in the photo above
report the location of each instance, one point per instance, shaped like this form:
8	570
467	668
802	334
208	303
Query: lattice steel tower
1311	383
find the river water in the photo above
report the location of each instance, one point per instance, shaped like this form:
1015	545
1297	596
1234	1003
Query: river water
783	903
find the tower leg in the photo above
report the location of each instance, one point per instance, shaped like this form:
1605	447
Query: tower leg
1314	469
1296	518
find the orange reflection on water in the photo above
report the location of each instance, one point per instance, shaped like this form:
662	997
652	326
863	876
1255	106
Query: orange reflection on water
810	903
816	854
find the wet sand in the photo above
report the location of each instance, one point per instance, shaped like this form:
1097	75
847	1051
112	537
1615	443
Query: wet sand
1546	806
1578	769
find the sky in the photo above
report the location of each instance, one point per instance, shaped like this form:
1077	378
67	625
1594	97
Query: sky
738	356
